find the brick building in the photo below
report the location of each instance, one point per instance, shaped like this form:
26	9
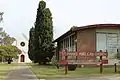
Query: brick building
91	38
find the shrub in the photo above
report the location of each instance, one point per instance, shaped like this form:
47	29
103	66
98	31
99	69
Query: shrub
72	67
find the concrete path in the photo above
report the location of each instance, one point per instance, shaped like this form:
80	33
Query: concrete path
22	72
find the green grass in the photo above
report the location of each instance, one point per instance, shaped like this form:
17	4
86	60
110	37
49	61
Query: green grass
5	68
53	72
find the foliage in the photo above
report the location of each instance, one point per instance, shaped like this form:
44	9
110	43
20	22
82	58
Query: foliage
7	40
31	45
43	48
2	52
9	51
72	67
55	62
6	48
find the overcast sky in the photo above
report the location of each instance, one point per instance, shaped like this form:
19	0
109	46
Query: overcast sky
19	15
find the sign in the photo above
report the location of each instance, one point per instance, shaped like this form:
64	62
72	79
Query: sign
83	58
63	62
86	54
92	54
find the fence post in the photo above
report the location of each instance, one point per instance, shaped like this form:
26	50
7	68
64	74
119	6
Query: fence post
66	65
101	65
115	67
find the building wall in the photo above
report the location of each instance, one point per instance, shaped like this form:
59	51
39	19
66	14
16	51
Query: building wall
109	39
86	40
68	43
23	49
94	40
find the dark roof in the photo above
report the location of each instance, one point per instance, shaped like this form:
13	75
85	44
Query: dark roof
73	29
65	34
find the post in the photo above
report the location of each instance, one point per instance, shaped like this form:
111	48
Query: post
9	60
66	65
2	59
115	67
76	56
101	65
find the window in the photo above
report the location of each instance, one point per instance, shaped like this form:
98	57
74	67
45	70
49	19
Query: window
68	43
61	45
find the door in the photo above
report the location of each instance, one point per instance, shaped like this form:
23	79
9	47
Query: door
22	58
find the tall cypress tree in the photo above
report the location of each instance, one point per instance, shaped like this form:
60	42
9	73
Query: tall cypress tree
31	45
48	32
38	30
43	34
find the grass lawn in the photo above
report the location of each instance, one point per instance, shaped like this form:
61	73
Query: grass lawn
5	68
53	72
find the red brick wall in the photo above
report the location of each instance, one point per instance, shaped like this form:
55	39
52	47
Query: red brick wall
86	40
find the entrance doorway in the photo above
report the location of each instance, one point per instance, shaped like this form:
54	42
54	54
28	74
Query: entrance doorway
22	58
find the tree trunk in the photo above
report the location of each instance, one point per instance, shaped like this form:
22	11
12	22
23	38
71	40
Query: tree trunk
44	63
9	62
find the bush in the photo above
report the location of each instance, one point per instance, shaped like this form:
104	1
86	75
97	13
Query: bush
72	67
54	62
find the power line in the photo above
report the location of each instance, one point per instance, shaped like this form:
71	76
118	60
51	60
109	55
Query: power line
25	36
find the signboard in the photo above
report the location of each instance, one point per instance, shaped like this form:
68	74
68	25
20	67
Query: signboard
84	54
83	58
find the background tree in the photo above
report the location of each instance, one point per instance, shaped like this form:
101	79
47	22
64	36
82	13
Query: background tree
44	48
6	39
6	48
8	52
12	51
2	54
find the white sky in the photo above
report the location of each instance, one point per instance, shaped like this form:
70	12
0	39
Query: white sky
20	15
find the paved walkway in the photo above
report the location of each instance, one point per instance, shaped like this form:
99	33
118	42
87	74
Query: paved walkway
22	72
